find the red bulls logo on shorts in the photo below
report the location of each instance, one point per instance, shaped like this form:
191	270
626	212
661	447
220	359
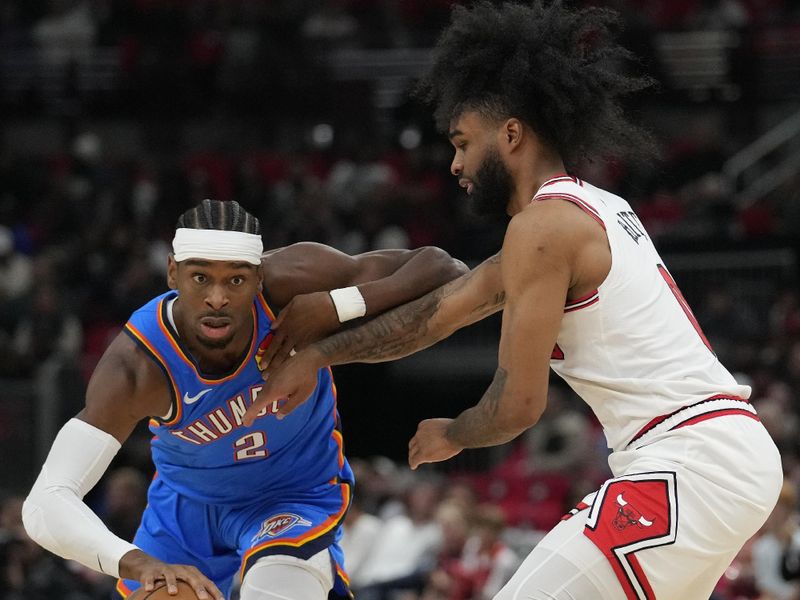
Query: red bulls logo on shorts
629	514
278	524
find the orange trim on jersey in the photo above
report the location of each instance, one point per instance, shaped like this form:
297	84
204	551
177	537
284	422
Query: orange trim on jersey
312	534
146	343
337	435
265	306
122	589
341	573
582	204
333	386
175	346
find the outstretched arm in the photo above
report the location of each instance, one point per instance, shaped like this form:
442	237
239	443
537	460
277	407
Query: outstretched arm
300	277
543	258
397	333
421	323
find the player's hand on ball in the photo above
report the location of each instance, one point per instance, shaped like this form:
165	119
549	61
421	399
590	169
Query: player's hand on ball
148	570
431	444
305	320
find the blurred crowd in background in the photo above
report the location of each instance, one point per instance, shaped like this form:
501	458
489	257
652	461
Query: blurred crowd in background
118	115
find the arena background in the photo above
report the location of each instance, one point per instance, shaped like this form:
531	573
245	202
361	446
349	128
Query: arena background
117	115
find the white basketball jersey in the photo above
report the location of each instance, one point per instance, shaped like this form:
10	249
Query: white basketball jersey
632	349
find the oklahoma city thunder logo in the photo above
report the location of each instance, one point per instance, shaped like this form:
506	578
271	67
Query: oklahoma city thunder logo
278	524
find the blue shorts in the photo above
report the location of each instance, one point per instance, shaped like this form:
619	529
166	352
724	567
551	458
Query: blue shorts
223	540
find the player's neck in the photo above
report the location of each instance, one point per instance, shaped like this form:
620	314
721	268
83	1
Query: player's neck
219	361
528	179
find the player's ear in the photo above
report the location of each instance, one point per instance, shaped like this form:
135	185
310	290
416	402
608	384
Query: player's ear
512	132
172	272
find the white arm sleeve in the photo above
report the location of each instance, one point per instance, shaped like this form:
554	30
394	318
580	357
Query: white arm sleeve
54	514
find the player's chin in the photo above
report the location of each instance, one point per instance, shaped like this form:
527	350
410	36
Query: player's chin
215	343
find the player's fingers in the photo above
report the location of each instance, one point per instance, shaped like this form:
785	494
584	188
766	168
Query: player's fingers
413	462
288	406
250	414
203	587
280	357
172	582
275	348
265	396
149	582
281	317
293	400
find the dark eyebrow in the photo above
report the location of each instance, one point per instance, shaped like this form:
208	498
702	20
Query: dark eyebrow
454	133
243	265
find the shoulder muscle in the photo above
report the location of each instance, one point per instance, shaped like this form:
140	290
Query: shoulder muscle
552	238
126	387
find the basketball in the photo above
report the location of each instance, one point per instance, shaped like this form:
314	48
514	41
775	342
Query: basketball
185	592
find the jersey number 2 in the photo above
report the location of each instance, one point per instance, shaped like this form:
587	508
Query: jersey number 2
251	445
684	305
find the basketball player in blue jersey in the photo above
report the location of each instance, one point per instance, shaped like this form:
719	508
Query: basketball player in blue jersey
264	501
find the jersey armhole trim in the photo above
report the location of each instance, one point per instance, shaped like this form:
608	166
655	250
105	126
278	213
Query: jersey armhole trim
174	413
586	300
583	205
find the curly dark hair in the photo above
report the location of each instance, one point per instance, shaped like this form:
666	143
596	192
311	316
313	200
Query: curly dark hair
547	65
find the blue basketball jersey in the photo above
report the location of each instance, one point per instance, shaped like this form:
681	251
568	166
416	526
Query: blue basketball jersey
203	451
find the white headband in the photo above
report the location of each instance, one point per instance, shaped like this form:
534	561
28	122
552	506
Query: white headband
215	244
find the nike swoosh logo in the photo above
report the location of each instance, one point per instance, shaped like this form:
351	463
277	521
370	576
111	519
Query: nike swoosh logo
187	399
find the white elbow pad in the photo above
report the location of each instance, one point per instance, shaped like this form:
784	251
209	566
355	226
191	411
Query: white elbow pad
54	514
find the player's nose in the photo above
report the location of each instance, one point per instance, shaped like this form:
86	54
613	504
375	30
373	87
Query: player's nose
456	167
216	297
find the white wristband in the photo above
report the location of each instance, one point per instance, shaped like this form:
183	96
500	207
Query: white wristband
349	303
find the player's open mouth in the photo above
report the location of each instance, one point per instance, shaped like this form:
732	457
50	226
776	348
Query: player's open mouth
467	185
215	328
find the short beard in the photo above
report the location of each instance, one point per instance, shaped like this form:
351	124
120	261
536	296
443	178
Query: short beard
214	344
492	187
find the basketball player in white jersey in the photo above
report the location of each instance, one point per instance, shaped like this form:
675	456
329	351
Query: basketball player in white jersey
524	92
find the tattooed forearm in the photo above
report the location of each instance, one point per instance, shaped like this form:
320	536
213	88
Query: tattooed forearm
394	334
477	427
487	308
421	323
